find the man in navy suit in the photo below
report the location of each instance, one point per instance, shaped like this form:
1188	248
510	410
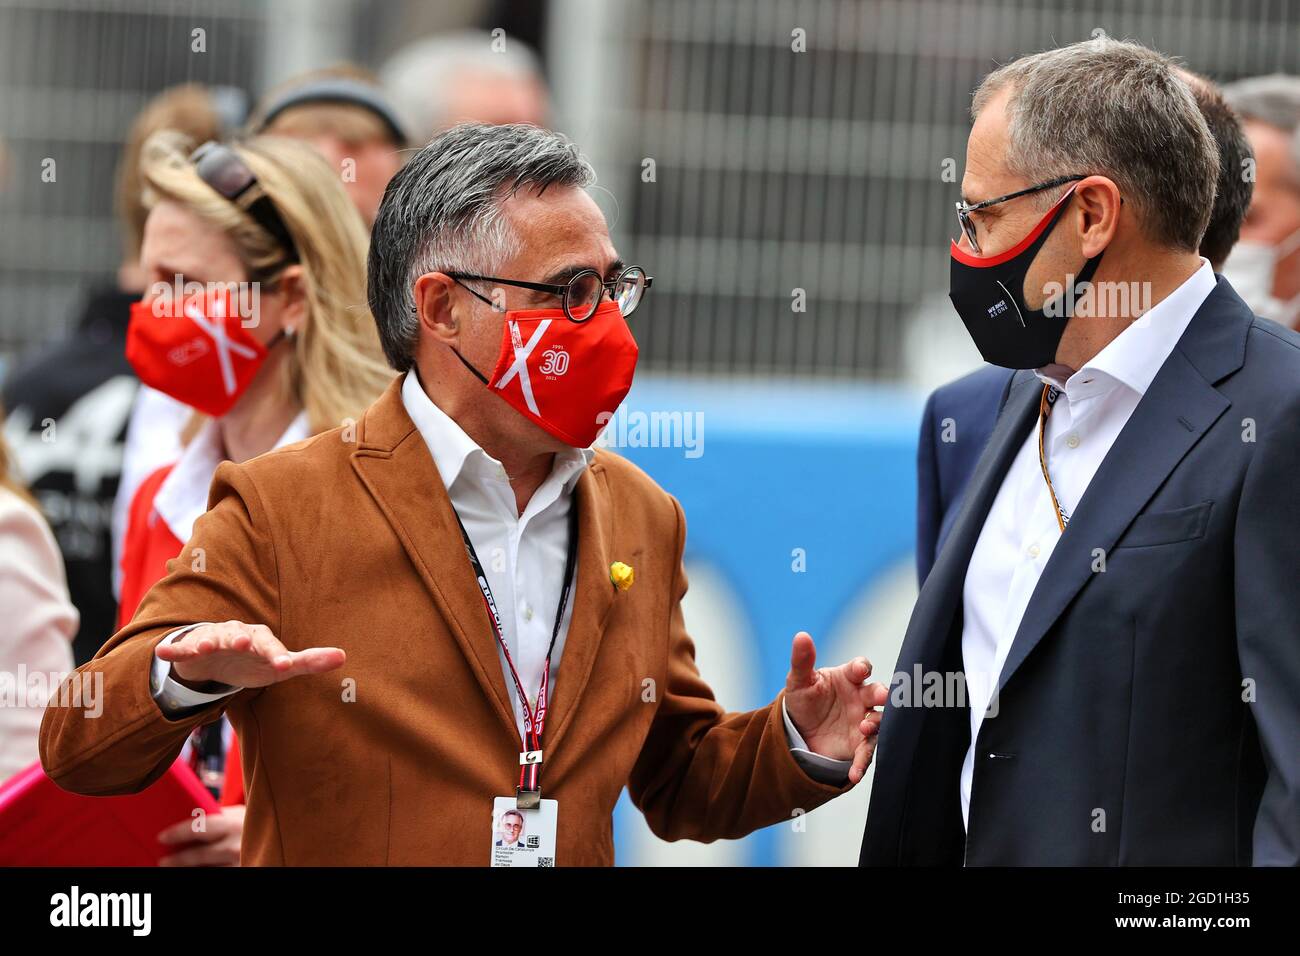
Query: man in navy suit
959	417
1103	665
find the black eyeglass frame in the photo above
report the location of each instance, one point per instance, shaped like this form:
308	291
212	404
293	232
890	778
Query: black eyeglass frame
229	176
964	210
562	291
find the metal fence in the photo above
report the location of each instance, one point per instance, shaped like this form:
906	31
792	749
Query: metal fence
822	171
73	74
753	176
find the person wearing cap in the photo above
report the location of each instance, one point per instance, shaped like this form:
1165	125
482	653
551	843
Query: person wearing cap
344	114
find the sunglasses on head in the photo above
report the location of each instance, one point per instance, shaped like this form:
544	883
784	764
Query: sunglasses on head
221	168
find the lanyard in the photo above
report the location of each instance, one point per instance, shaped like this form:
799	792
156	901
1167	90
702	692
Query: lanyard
1050	394
208	756
528	794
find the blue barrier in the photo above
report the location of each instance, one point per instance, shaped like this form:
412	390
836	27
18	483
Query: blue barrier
797	498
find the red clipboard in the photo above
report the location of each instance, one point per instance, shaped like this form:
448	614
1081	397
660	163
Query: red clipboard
42	825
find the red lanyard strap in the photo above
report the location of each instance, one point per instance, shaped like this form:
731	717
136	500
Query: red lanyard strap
529	791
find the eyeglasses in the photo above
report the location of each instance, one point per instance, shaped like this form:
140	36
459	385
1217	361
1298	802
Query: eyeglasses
221	168
964	210
582	294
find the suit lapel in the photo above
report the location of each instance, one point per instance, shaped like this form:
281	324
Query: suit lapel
941	596
593	596
931	624
1178	408
394	463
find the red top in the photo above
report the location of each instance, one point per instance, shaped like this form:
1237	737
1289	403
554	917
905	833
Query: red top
148	546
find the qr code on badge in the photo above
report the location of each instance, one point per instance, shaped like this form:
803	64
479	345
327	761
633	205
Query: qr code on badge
546	861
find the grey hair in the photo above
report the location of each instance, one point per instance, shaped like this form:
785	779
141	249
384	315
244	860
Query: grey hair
1118	109
442	213
418	77
1272	99
1275	101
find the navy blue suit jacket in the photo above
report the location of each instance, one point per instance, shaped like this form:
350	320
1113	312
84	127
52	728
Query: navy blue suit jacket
1149	704
958	420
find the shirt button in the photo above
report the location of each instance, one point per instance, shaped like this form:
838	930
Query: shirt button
1073	440
528	613
1033	551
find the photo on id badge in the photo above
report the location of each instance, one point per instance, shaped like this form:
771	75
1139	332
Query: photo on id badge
523	837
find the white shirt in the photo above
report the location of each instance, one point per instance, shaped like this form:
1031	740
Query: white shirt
523	556
153	438
1021	529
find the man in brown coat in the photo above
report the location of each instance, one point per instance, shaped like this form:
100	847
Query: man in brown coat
455	604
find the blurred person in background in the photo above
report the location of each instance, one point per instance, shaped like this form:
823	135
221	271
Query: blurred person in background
1265	266
1117	589
959	417
342	111
39	620
69	406
466	76
269	218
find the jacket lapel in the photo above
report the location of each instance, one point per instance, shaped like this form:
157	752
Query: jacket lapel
396	466
593	597
1178	408
940	598
931	624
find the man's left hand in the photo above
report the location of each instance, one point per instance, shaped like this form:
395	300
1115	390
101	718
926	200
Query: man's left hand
833	707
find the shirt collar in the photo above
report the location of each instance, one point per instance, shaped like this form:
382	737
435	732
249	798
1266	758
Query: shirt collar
455	453
1134	356
183	495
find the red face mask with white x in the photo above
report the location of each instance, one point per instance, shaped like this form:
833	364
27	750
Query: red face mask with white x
197	351
568	377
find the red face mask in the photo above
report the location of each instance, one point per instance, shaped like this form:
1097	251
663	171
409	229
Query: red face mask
568	377
199	353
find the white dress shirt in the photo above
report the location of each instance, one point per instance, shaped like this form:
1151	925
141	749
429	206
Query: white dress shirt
523	556
1021	529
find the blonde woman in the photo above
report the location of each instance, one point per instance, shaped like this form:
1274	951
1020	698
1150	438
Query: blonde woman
39	620
255	316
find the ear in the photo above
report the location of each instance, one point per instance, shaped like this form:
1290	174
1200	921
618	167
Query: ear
291	286
1098	201
433	304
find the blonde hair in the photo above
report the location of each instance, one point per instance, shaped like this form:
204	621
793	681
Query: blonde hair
337	367
187	108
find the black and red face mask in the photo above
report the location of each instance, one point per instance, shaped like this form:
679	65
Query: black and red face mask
989	295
